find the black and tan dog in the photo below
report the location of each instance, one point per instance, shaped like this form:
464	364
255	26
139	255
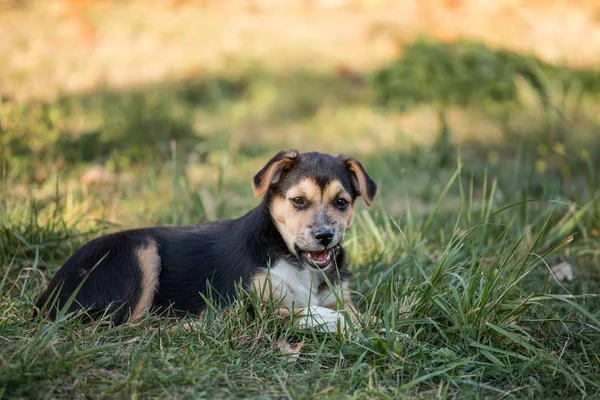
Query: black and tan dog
289	248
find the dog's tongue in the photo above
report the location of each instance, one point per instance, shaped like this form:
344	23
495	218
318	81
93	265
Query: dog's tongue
319	255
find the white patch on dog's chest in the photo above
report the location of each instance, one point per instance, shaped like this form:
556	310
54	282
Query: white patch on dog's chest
297	288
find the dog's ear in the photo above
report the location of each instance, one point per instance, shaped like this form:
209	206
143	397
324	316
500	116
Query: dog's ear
271	172
361	181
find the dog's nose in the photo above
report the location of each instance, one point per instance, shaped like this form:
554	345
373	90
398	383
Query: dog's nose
324	235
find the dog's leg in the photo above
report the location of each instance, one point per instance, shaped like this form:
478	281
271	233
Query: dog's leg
117	274
317	317
345	303
348	308
322	318
149	264
326	318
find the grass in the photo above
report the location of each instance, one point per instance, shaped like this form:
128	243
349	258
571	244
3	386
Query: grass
453	262
463	305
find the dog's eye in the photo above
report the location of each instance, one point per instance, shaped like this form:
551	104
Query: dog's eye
298	201
341	203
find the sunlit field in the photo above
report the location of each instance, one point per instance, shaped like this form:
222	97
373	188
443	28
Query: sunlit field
476	272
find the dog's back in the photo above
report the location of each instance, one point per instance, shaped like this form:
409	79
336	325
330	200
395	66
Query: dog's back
163	268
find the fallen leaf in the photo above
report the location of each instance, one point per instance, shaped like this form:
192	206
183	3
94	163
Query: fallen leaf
290	353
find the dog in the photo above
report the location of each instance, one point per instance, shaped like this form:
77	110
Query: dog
288	249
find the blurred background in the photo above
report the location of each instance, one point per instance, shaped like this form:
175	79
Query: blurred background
160	111
478	119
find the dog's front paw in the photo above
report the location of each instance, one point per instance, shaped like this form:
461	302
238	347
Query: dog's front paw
323	319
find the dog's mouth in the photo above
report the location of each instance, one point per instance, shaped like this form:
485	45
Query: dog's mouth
319	259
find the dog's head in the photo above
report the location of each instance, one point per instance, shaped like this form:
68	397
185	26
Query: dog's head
311	200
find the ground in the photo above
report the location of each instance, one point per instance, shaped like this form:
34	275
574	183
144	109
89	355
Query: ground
478	123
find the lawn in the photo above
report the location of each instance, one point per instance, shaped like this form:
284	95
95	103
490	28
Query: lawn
487	162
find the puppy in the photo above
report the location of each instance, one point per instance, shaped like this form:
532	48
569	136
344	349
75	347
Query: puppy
288	249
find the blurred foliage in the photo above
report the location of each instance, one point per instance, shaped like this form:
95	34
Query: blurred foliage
501	84
124	128
464	72
218	120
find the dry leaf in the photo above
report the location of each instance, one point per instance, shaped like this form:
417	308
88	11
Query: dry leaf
291	353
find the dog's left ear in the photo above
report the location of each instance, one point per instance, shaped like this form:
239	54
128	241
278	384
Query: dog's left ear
361	181
271	173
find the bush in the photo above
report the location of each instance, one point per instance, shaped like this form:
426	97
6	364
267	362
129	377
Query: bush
466	72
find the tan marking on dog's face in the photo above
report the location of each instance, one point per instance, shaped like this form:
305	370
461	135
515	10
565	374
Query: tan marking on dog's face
297	224
149	261
336	190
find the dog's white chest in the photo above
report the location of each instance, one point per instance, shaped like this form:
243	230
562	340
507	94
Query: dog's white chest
297	288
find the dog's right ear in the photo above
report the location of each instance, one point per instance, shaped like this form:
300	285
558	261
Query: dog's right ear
271	172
